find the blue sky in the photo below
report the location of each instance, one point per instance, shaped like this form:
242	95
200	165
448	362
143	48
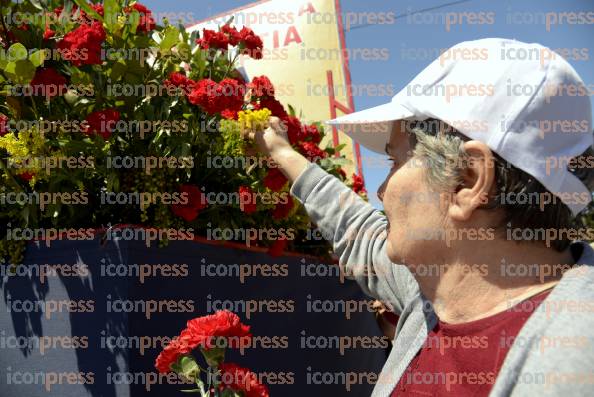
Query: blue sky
412	41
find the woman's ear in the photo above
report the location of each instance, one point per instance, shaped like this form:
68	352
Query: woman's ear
478	181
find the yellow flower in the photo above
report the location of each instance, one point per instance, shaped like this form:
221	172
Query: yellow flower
15	147
232	143
27	147
253	120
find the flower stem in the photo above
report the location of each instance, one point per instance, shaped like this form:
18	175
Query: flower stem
35	108
231	64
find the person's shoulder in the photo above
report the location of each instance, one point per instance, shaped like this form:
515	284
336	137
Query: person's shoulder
582	273
571	302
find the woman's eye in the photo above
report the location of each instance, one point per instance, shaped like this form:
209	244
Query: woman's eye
394	162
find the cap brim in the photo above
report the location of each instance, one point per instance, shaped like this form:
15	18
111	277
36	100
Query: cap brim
372	127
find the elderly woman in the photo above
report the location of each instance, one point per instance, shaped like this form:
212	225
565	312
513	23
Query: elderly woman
494	294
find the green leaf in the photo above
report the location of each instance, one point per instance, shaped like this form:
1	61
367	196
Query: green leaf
78	77
20	72
184	50
200	60
86	8
186	149
341	161
25	214
37	4
193	36
111	9
326	163
118	70
291	110
38	57
175	367
17	52
183	31
133	21
230	393
170	37
215	356
113	182
189	367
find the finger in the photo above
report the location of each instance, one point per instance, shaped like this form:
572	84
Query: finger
274	121
277	124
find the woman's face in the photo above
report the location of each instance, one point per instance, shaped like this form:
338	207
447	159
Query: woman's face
414	211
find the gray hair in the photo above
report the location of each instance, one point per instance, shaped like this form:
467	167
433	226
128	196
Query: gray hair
440	147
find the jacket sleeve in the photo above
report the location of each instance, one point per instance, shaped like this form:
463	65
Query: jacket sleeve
357	232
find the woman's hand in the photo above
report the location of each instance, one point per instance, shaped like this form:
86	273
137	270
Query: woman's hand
274	142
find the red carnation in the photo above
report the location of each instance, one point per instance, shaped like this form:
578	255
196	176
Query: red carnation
252	43
247	202
85	18
212	39
341	172
102	122
232	95
273	105
242	380
281	211
196	202
275	179
311	151
358	186
233	36
179	80
146	22
3	124
177	347
82	46
26	176
261	87
141	8
203	331
98	8
312	133
278	247
230	114
228	95
204	94
48	82
294	129
48	34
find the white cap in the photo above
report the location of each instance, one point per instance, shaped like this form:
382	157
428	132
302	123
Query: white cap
523	100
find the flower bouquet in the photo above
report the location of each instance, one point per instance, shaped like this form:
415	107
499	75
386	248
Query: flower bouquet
108	118
211	335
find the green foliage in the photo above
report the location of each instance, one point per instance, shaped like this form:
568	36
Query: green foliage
166	126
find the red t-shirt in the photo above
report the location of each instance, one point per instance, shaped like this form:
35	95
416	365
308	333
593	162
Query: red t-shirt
464	359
